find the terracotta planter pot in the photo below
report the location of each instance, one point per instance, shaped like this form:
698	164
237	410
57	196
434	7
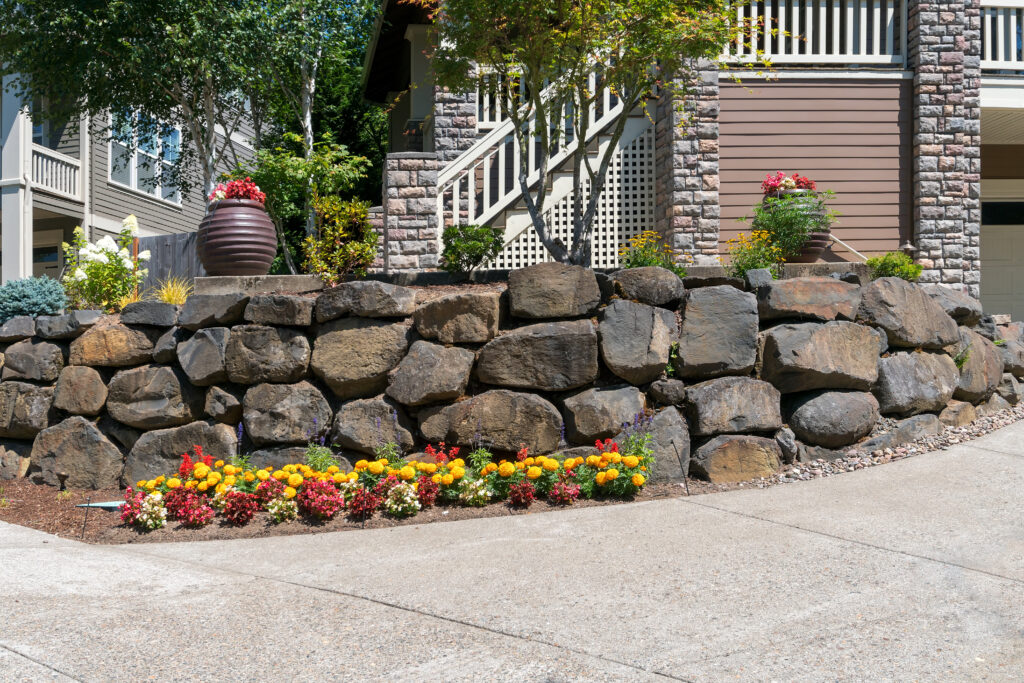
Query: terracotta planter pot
817	241
236	237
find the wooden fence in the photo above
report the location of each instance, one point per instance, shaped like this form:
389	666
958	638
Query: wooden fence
171	256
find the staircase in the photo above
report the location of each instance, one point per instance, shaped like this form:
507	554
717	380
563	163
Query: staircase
481	186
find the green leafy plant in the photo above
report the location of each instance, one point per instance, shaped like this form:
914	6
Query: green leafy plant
242	462
344	242
319	457
962	356
467	247
648	249
673	353
479	457
754	251
788	219
894	264
63	496
31	296
105	274
1000	342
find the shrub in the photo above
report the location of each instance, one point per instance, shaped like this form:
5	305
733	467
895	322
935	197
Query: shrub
467	247
752	252
239	507
894	264
344	242
105	274
32	296
789	219
173	291
648	249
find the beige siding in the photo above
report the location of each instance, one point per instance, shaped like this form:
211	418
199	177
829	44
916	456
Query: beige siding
850	137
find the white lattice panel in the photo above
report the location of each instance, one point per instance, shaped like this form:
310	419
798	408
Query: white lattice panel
625	209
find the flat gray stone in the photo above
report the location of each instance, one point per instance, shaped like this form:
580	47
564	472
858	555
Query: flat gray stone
667	392
165	350
66	326
831	419
832	355
24	409
285	413
431	373
280	309
545	357
733	405
259	353
17	328
649	285
601	412
963	308
365	299
203	356
910	317
153	397
719	333
223	406
209	310
910	383
155	313
34	360
553	290
75	454
636	339
670	439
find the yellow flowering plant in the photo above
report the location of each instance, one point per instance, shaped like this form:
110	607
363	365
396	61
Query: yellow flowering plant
649	249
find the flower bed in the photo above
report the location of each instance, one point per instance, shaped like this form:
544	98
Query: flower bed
203	489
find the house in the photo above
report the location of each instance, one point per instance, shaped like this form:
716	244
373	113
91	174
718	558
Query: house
55	176
911	111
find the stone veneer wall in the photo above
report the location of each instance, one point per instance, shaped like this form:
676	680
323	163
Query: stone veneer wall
89	401
945	51
454	123
411	237
686	162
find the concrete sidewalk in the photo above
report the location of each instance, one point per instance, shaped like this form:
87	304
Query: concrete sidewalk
908	571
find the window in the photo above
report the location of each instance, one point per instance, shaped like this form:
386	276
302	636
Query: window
149	166
40	124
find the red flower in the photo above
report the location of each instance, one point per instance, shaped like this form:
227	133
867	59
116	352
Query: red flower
240	507
427	491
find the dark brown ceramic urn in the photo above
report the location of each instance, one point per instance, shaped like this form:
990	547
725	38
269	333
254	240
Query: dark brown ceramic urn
236	237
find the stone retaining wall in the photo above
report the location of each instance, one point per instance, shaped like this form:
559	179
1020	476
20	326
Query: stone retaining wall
794	369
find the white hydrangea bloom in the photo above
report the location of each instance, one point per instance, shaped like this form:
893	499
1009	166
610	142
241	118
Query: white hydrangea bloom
131	223
128	263
107	243
79	274
99	258
144	255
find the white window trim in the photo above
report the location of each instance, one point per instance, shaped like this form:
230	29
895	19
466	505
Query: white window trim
133	171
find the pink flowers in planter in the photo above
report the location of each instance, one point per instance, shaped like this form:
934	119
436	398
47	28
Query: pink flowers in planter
238	189
773	184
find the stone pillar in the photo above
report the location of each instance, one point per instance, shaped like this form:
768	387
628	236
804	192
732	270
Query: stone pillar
411	237
15	185
686	167
454	129
945	54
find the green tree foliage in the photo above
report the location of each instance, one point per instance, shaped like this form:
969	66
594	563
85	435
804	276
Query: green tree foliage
343	242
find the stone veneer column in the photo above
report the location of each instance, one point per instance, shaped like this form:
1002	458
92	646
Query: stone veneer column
411	238
686	168
945	53
454	123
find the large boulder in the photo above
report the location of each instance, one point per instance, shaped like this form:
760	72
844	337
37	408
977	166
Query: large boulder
636	339
431	373
600	413
832	355
910	383
981	367
544	357
77	455
910	429
366	423
718	334
156	313
279	456
808	298
14	458
208	310
159	451
667	392
203	356
365	299
80	391
731	458
957	414
467	318
353	356
553	290
165	350
733	405
670	440
258	353
113	346
285	413
1013	357
153	397
280	309
649	285
24	409
832	419
505	419
910	317
66	326
34	360
1010	389
958	304
17	328
223	405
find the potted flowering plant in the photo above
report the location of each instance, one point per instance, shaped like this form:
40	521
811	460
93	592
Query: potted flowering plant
237	237
793	205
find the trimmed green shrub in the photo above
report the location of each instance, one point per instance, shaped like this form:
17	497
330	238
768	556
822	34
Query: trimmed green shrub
467	247
31	296
894	264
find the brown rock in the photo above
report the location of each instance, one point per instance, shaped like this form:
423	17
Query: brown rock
546	356
957	414
80	391
808	298
910	317
469	318
730	459
24	409
832	355
553	290
112	346
353	356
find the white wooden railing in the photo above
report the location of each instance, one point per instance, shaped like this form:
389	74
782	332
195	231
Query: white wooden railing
848	32
56	173
1002	44
483	181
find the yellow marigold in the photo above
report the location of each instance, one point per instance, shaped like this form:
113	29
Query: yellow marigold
569	463
529	461
638	480
520	465
202	486
159	480
383	462
249	477
289	492
631	461
506	469
600	478
230	480
495	467
447	479
221	487
333	469
436	479
151	484
361	464
280	475
533	472
457	462
215	475
612	474
295	480
616	458
140	484
219	463
190	484
431	467
229	469
375	468
173	483
353	476
339	477
212	480
550	464
407	473
458	472
593	460
200	471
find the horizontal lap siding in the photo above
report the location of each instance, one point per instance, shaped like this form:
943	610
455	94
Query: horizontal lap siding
853	139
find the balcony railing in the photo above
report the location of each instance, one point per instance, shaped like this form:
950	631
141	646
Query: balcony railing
861	32
56	173
1002	46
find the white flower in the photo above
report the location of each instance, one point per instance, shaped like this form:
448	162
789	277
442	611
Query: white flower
144	255
124	253
79	275
128	263
219	194
99	258
107	244
788	184
131	223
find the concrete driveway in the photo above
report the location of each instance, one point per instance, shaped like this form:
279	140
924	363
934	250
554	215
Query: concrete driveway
909	571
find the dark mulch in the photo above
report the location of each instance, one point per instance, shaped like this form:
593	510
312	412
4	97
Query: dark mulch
46	509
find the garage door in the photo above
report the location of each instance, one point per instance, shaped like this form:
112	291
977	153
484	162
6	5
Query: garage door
1002	258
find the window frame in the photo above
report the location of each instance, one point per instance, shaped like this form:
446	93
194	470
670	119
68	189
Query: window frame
156	161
